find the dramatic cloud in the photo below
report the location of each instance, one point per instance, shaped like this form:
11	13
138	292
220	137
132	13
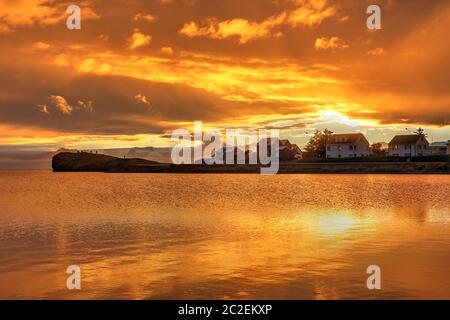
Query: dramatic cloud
145	68
142	99
61	104
24	13
310	13
330	43
138	39
242	29
86	106
30	12
43	108
144	17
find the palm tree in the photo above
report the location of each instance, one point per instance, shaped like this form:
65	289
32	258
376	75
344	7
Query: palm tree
421	132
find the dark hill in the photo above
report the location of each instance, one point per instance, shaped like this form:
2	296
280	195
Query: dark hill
90	162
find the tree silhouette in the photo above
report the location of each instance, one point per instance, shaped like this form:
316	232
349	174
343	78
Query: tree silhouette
421	132
377	149
317	144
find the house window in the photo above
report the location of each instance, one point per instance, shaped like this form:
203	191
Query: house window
328	148
396	147
339	148
420	146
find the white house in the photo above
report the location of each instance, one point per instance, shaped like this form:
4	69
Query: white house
413	145
349	145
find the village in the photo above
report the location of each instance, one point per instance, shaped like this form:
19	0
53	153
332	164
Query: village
326	152
323	146
327	145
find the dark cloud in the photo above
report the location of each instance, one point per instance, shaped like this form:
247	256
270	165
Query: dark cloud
115	109
221	80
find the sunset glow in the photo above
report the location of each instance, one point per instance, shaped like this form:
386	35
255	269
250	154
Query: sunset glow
136	72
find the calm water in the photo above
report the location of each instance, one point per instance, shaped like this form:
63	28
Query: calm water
149	236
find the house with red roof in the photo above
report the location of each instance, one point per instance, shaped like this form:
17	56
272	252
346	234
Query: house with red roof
348	145
412	145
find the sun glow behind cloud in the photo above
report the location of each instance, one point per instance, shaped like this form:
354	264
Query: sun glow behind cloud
298	65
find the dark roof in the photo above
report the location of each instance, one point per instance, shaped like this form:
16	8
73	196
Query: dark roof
344	138
440	144
403	139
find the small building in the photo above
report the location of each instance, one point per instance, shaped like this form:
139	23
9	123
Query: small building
289	151
413	145
349	145
439	148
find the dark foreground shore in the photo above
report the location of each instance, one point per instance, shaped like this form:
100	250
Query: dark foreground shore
87	162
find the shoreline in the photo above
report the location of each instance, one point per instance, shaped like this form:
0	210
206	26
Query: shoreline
300	168
85	162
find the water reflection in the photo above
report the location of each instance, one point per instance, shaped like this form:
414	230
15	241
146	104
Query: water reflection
232	236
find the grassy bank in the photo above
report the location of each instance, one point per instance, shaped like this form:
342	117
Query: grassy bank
378	159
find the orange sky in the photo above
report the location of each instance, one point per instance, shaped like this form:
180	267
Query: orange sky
139	69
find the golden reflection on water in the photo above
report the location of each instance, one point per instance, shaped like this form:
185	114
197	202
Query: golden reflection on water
223	236
335	224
